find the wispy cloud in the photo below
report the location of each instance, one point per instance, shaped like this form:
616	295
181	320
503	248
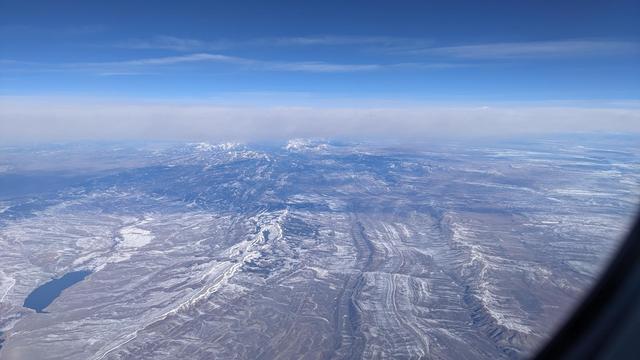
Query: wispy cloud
137	66
378	41
292	66
297	66
165	42
392	51
121	73
534	49
402	45
172	60
321	67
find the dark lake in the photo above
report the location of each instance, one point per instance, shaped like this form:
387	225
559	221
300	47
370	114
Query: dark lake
44	294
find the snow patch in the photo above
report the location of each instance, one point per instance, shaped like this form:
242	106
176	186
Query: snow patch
320	273
203	146
305	145
133	237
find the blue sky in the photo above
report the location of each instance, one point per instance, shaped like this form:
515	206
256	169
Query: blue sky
255	69
420	51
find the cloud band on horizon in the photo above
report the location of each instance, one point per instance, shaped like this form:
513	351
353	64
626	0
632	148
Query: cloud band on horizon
36	119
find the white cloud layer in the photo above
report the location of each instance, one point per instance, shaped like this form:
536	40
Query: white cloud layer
38	119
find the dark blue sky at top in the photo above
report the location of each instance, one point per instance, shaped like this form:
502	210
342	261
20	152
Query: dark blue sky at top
422	50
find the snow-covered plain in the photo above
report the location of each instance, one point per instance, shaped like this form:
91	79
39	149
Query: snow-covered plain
314	249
